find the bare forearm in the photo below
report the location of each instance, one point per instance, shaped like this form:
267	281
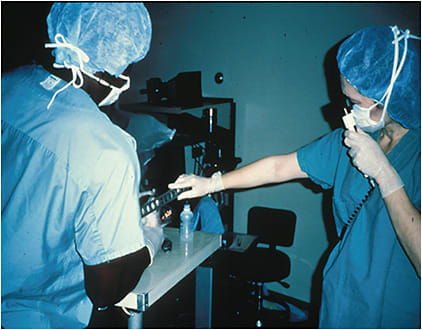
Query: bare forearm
273	169
406	220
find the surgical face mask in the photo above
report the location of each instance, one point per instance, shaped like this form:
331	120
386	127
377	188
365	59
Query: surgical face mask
115	92
364	121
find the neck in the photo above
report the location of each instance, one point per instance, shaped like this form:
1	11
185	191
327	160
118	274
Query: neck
96	91
394	130
390	135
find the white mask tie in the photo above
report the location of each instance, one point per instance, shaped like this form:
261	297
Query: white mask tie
60	41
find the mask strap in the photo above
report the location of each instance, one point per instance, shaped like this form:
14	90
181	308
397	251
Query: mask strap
126	86
77	78
396	67
107	84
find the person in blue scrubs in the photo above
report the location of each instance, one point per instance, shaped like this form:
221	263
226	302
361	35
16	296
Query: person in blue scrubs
72	236
372	276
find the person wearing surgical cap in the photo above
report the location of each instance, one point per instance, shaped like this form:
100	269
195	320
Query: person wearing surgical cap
72	234
372	276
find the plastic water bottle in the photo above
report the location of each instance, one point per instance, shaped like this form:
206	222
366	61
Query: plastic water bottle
186	223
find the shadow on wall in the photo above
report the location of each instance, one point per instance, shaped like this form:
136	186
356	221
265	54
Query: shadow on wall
333	111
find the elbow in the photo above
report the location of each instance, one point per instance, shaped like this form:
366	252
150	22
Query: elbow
109	295
286	167
103	294
277	169
97	299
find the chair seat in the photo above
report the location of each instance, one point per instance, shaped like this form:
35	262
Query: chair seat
260	265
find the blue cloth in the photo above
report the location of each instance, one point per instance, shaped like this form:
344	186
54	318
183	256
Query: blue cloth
112	34
366	60
69	195
368	281
206	212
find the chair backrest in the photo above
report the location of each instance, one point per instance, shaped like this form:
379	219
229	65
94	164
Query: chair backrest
273	226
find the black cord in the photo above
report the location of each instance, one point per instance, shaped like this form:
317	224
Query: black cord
356	211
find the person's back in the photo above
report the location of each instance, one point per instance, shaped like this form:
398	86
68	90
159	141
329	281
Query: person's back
54	165
72	235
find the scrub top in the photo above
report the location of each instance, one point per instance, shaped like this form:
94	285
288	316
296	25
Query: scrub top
69	195
368	281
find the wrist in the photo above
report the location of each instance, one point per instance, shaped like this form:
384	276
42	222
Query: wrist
388	181
216	183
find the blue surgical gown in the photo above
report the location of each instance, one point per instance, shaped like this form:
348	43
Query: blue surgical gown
368	281
70	183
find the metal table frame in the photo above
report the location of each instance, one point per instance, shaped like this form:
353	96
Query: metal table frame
170	268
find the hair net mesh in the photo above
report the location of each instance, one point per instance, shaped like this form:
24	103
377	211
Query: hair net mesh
113	35
366	60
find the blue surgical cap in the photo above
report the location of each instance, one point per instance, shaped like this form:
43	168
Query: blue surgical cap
366	60
112	34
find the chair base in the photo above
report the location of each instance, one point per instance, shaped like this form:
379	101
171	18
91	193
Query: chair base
251	312
264	315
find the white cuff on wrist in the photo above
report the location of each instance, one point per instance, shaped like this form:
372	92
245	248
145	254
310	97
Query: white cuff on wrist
391	183
216	182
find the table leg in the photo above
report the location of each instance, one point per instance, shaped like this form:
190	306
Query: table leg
203	298
135	320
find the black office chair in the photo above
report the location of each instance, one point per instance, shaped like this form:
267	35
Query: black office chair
258	265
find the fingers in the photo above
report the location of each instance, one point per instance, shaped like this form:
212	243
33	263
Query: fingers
199	186
346	142
360	131
183	181
351	139
357	162
352	152
188	195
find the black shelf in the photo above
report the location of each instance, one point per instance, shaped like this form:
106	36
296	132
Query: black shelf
144	107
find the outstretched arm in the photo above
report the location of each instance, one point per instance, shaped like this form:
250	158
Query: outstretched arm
272	169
